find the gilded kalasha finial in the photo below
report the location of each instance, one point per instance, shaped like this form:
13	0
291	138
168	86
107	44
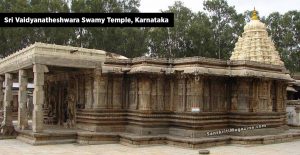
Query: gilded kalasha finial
254	15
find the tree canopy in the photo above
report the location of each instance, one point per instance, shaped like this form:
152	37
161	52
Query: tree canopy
209	33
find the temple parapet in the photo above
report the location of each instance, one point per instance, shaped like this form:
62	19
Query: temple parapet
197	66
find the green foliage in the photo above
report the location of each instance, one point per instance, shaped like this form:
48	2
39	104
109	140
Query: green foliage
190	36
285	32
130	42
227	25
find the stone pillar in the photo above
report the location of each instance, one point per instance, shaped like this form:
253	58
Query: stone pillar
207	104
234	99
89	97
144	87
169	94
196	94
264	96
153	94
254	103
297	111
7	127
100	90
38	97
133	89
1	93
280	96
117	92
161	83
22	97
181	94
243	91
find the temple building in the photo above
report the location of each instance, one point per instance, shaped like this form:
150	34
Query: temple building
293	101
91	96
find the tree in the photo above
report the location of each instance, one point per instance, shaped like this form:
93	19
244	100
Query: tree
285	32
125	41
227	25
190	35
201	37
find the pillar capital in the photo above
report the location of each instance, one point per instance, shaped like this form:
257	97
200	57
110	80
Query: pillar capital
8	76
39	68
97	71
22	73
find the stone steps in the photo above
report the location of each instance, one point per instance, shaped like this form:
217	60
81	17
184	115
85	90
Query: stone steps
137	140
63	135
47	137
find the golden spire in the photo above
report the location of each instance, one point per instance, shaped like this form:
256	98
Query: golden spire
254	15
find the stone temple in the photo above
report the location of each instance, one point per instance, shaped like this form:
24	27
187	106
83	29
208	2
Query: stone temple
91	96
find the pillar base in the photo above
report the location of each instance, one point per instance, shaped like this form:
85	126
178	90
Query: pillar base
22	119
8	130
37	121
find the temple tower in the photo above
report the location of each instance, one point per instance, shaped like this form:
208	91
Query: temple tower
255	44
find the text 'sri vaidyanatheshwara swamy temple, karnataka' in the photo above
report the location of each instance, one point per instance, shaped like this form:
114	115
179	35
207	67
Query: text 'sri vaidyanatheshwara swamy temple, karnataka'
90	96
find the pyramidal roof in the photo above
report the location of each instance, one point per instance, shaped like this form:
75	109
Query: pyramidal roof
255	44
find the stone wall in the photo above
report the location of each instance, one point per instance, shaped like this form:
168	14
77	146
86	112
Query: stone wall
293	112
159	104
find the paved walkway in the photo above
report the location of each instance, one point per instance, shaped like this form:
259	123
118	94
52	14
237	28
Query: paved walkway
16	147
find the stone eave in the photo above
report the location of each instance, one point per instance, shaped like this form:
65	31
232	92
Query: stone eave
52	55
199	66
254	64
199	60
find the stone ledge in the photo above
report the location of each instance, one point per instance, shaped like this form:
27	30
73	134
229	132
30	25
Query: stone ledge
92	138
7	137
88	138
47	137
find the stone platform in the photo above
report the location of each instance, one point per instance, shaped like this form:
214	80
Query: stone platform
51	135
61	135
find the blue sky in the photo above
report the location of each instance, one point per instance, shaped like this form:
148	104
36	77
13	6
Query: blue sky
264	7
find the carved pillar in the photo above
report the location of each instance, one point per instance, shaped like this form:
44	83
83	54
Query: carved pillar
153	92
168	93
160	94
22	97
109	94
234	97
133	89
196	94
38	97
269	100
1	93
218	100
117	92
264	96
280	96
189	94
7	127
89	91
243	95
181	94
297	111
254	104
100	90
207	107
144	93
